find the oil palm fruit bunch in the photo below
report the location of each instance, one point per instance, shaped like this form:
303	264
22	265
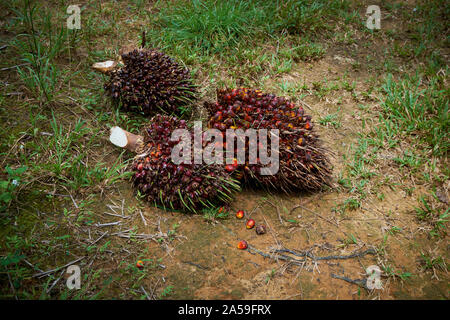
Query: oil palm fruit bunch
302	161
186	186
151	82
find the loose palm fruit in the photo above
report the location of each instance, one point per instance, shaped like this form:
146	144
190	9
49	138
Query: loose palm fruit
250	223
242	245
240	214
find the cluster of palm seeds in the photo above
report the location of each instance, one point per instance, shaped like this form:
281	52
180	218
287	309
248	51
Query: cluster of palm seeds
151	82
185	186
302	161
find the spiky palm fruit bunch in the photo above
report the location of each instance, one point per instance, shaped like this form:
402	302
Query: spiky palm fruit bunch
302	161
186	186
151	82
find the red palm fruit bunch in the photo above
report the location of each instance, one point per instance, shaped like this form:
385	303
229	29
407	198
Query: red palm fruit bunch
185	186
302	161
151	82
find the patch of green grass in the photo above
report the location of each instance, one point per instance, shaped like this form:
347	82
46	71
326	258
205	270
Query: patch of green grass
207	26
270	275
393	230
63	154
351	239
352	203
214	213
306	51
360	165
8	187
436	217
391	272
331	119
349	204
410	160
414	111
167	291
419	108
323	88
305	17
37	47
427	27
431	262
197	30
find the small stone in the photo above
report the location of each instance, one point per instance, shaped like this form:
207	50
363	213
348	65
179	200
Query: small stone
442	196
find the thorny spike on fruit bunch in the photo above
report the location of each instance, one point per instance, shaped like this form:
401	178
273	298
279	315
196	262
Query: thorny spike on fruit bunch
303	163
186	187
151	82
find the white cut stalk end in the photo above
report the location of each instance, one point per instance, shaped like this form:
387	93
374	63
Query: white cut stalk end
118	137
124	139
105	66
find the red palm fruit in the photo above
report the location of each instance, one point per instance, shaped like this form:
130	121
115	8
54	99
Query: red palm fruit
250	223
218	116
242	245
308	125
308	156
140	264
230	168
240	214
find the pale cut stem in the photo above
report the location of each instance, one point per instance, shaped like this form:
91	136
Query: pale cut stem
105	66
124	139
